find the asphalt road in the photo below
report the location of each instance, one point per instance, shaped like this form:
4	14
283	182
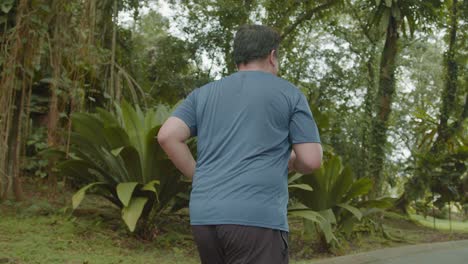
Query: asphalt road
452	252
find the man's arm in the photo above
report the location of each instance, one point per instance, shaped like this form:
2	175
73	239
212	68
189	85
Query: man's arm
305	157
172	137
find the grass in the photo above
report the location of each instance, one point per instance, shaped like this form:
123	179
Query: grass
40	233
46	231
441	224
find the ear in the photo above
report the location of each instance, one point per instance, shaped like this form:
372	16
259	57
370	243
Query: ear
271	58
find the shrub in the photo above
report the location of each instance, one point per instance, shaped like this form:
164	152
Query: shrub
117	156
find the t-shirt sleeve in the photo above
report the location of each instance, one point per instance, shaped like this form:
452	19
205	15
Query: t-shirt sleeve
302	126
186	111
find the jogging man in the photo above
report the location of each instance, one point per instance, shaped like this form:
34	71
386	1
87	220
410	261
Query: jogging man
250	126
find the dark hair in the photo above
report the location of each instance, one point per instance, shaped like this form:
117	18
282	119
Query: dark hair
254	42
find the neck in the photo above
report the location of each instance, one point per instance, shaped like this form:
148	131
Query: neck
255	66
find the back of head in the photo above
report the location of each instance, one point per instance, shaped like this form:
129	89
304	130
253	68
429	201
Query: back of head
253	42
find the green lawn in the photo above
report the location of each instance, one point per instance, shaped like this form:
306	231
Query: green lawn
42	233
54	239
442	224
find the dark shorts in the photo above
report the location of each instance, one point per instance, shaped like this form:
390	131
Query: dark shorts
236	244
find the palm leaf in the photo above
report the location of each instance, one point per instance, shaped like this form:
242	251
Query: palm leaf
77	198
353	210
359	187
301	186
132	212
125	191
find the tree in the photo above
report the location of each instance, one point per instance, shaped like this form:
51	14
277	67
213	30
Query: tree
52	29
432	169
393	16
165	66
20	59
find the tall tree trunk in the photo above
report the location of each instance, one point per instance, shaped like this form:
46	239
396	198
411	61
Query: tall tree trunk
112	81
378	136
15	80
15	141
56	48
444	133
367	117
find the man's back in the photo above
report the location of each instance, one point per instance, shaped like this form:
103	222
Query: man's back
246	125
244	136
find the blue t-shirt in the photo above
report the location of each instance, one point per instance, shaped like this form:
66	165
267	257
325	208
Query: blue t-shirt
245	124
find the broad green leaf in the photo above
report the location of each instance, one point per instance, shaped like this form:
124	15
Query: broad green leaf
132	212
327	231
125	191
328	215
131	158
341	186
388	3
116	137
161	114
116	151
317	217
89	127
301	186
78	169
114	165
297	207
295	177
107	118
134	125
309	215
355	211
359	187
79	195
377	2
150	186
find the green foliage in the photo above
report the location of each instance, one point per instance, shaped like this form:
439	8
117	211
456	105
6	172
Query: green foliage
118	157
297	209
34	163
164	65
336	202
6	6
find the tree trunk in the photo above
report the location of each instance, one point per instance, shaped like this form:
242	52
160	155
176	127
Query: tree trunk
378	137
14	97
112	83
444	133
56	64
366	121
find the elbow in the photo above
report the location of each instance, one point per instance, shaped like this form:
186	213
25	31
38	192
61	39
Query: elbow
307	166
312	165
163	137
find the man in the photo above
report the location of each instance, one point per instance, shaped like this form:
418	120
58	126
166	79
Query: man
246	124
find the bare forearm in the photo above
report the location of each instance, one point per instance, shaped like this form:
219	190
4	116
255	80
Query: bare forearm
179	153
307	158
296	166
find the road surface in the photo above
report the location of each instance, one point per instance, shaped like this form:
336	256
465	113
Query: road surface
452	252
